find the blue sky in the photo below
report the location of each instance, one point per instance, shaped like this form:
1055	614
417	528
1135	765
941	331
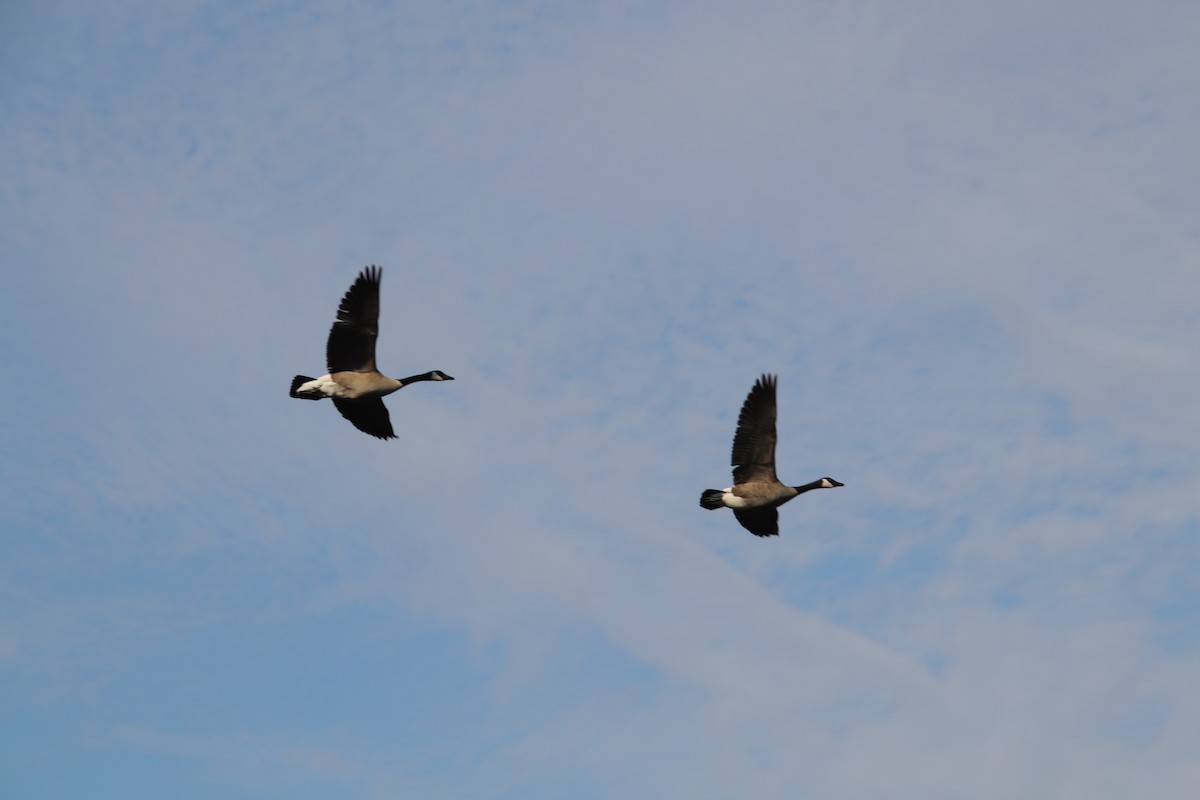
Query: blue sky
963	234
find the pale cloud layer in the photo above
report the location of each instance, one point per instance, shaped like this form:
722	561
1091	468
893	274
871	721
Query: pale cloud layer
963	234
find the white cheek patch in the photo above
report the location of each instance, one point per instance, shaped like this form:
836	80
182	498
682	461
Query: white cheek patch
825	484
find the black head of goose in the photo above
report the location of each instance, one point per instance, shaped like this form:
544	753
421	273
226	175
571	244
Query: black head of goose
756	493
354	383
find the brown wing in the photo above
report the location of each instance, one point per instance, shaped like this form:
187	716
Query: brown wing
351	345
763	521
753	456
369	416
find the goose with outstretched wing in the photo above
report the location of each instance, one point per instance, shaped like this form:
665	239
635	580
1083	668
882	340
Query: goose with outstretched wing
757	492
354	383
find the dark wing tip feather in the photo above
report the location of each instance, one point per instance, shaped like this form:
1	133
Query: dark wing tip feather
351	344
753	452
759	521
360	304
369	416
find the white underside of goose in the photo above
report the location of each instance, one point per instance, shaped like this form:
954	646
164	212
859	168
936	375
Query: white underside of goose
731	500
325	386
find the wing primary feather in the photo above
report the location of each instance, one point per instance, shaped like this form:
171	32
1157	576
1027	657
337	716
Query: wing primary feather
369	416
351	344
753	454
759	521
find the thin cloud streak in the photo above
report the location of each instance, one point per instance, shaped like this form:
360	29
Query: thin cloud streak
962	236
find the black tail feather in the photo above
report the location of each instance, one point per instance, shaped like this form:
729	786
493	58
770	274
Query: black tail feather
711	499
299	381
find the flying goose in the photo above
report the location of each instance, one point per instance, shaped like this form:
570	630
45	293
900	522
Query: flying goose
353	382
756	493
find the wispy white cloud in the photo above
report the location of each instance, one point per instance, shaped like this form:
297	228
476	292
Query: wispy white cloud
963	235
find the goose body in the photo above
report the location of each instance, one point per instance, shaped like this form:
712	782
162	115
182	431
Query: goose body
354	383
756	493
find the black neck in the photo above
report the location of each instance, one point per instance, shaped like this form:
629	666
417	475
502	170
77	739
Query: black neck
808	486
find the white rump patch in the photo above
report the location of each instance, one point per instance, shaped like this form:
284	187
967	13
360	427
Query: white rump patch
731	500
324	385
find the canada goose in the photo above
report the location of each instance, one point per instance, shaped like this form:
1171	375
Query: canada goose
756	493
353	382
